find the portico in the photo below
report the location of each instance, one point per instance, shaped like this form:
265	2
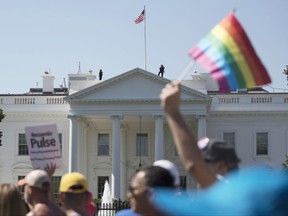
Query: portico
113	107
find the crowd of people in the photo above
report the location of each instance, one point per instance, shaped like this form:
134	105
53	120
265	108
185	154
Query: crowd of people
75	198
154	189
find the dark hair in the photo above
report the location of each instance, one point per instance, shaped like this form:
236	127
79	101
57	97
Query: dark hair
216	150
156	176
72	199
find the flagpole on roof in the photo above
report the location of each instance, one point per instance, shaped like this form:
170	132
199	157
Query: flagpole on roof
139	19
145	38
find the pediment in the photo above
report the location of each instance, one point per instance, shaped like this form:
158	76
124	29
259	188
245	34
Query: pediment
134	85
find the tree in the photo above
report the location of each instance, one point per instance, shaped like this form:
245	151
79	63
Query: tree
285	163
2	116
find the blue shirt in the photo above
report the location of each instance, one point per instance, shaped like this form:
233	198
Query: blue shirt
126	212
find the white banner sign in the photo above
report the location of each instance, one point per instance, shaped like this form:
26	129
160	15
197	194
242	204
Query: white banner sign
44	146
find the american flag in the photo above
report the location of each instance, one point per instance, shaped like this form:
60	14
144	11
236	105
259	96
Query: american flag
140	18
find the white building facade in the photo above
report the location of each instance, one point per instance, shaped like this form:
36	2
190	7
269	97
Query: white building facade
111	127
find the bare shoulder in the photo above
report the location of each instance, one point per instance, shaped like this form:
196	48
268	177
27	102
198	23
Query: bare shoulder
41	209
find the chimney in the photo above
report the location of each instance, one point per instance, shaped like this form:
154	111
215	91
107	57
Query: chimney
48	83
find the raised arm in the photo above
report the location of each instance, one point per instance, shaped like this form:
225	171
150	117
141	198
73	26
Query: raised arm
185	142
50	169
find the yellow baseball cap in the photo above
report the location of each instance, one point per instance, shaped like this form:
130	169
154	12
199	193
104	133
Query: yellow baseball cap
73	183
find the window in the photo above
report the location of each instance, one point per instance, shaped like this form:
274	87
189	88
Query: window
103	144
142	144
60	140
22	146
229	137
262	143
101	184
55	187
21	189
183	183
176	152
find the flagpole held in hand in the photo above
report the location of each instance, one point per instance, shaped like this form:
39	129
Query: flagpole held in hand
186	70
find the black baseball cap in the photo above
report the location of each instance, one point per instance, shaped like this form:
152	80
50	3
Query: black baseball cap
216	150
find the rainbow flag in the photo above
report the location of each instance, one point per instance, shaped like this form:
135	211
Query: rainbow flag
228	55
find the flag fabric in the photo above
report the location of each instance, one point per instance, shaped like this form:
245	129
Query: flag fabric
228	55
140	18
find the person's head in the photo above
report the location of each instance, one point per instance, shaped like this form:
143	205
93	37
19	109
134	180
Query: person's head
141	188
171	167
37	186
220	156
74	191
11	202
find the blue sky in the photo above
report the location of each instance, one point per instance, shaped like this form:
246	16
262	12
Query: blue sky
38	36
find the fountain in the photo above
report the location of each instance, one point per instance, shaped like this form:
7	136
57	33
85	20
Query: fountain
106	201
106	197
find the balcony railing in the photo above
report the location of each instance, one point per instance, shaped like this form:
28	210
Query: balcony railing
27	100
251	99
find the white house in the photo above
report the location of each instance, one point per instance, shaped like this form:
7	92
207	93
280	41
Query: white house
111	127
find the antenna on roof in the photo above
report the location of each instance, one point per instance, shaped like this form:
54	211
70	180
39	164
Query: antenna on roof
79	69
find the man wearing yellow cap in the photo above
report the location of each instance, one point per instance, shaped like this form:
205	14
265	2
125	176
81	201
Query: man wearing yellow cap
74	193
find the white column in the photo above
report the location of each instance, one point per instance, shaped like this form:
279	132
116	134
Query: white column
123	159
159	145
116	154
85	155
201	126
73	143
